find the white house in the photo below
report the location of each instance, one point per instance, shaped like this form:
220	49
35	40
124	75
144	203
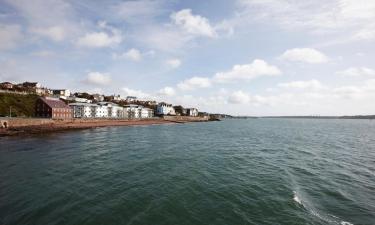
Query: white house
83	110
101	111
62	93
114	110
132	111
165	109
192	112
146	112
137	111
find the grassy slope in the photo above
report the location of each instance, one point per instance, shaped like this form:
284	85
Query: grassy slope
22	105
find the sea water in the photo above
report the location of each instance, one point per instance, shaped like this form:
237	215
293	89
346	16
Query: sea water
254	171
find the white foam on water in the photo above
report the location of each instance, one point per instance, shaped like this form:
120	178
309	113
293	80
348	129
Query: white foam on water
296	198
330	219
345	223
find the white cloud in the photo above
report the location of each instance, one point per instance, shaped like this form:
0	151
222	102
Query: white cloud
40	12
55	33
349	20
309	84
133	54
357	72
173	63
163	38
194	83
347	92
367	90
53	19
307	55
239	97
256	69
316	15
44	53
364	34
100	39
193	24
97	78
167	91
10	35
138	11
138	93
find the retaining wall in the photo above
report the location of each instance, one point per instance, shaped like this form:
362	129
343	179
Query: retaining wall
21	122
185	118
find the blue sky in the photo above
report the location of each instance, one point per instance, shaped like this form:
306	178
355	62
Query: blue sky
243	57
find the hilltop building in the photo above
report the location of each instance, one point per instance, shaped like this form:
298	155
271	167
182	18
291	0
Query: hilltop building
61	93
131	98
98	97
113	98
32	85
6	85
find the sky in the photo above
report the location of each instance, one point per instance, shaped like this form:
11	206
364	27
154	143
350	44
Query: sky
240	57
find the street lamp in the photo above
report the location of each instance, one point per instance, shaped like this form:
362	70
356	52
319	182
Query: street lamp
10	111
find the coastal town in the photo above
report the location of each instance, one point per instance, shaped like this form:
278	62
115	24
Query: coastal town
64	108
63	104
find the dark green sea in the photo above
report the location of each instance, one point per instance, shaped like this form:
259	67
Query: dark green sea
234	172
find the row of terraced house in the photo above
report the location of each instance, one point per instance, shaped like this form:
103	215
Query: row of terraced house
110	110
51	107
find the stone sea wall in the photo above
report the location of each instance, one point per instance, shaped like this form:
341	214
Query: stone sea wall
21	122
186	118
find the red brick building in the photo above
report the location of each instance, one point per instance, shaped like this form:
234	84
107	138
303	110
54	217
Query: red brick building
52	108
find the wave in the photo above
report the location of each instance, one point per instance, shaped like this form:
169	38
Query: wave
296	198
330	219
345	223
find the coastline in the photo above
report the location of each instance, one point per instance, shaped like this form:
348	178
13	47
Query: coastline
69	125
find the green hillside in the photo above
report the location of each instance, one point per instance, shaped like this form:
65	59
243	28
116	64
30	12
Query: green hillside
22	105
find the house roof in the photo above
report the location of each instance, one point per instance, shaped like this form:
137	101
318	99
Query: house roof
30	84
83	104
107	103
164	103
132	106
54	102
